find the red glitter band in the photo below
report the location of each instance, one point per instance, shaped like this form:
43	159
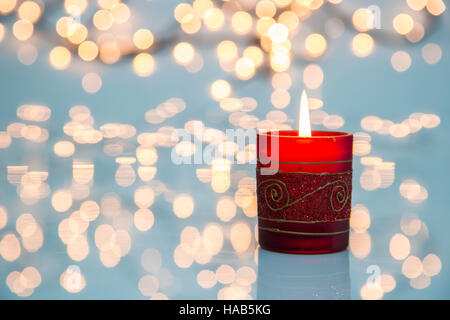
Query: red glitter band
324	197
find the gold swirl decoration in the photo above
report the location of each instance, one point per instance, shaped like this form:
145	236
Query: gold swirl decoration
277	197
339	196
276	194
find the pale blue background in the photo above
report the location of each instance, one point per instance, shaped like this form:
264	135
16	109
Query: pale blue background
353	88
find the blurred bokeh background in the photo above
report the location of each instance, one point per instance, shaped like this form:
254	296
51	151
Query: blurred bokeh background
92	206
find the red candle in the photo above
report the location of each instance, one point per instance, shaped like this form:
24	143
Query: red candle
304	188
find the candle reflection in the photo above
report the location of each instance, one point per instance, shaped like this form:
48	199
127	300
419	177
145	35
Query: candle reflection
287	276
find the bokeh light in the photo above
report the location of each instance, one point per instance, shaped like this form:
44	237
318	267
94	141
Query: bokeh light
109	182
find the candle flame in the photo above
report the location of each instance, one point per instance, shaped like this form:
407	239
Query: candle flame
303	119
